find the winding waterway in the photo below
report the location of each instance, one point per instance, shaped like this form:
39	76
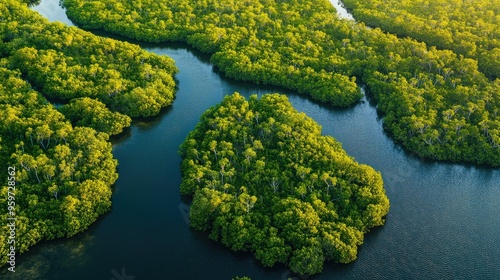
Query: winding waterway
444	221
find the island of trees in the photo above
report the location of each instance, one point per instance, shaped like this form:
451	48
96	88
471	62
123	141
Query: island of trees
61	157
435	101
263	179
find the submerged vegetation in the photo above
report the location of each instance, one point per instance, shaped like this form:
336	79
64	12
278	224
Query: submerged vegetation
61	166
436	103
264	179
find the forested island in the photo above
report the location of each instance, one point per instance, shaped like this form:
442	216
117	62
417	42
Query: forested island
264	180
59	159
435	102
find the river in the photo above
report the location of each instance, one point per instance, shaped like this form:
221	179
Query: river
443	224
341	10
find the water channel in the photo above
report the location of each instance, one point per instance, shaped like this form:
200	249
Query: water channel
443	224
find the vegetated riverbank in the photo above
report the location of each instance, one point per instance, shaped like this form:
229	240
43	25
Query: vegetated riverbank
61	161
435	102
471	29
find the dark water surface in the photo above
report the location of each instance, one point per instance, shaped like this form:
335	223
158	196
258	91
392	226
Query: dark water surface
444	221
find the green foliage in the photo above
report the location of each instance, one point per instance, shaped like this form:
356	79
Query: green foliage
266	42
469	28
436	102
64	173
31	2
66	63
92	113
264	179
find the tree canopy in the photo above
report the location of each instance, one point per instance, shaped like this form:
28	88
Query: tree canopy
93	113
469	28
63	174
61	157
436	102
263	179
268	42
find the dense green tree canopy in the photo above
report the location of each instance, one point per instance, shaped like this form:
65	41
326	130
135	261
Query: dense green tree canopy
63	174
93	113
264	179
470	28
436	102
66	62
268	42
63	171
